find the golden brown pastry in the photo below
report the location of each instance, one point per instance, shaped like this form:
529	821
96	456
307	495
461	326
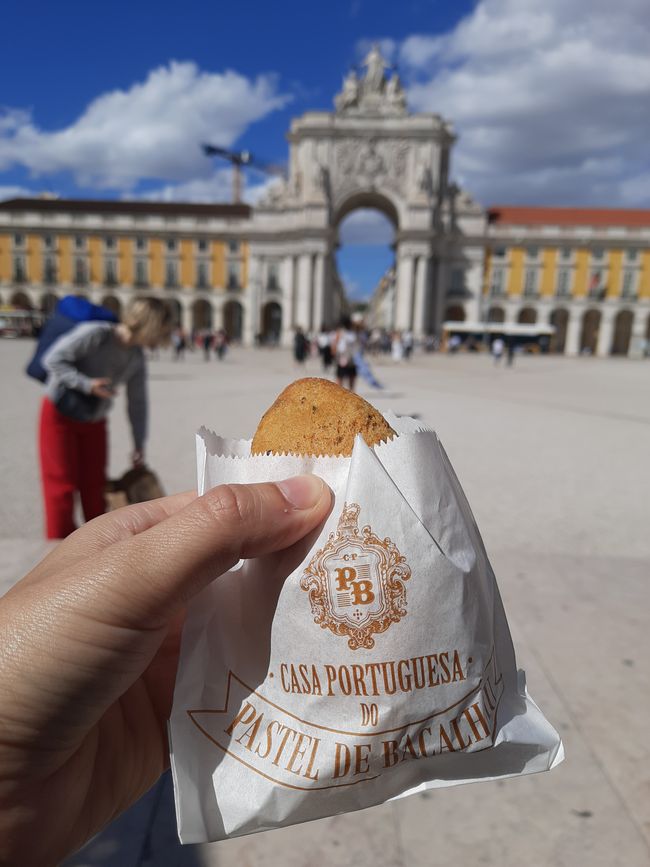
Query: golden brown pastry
317	417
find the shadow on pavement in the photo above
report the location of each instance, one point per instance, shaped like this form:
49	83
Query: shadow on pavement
144	836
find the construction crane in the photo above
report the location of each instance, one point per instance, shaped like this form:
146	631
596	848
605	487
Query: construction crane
239	159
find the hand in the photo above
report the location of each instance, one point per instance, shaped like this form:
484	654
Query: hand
89	646
137	458
102	388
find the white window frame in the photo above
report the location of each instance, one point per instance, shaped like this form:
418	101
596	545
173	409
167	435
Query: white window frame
561	291
629	292
202	263
141	262
497	285
531	276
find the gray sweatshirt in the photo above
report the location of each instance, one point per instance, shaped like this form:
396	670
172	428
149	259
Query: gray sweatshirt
90	351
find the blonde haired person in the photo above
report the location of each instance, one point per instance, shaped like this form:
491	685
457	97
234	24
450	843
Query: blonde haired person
85	366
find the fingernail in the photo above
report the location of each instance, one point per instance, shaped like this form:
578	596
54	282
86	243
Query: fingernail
302	492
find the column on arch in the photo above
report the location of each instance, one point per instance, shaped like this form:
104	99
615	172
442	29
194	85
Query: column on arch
318	279
404	291
304	291
605	333
573	330
422	299
638	338
186	315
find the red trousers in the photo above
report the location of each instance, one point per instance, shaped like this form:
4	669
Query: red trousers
73	458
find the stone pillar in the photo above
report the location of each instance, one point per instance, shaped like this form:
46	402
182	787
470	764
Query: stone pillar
420	309
637	346
474	285
186	315
605	333
404	292
573	329
439	269
318	293
217	313
304	291
251	302
287	278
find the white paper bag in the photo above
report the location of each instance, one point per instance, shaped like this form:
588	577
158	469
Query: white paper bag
370	663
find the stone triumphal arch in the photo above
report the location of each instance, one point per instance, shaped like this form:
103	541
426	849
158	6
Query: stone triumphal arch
371	153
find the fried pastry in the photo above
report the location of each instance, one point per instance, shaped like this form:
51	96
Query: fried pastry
317	417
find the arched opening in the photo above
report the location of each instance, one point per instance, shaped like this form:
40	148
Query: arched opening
175	307
201	315
365	256
233	320
48	302
110	302
455	313
271	322
589	334
622	332
21	301
527	316
559	320
496	314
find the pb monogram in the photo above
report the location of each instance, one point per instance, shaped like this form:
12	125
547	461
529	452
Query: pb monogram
356	582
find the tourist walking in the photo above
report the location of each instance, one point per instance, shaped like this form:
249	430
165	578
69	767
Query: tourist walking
206	342
324	341
345	346
300	346
179	343
84	367
220	344
497	348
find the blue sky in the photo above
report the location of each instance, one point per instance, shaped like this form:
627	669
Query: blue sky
550	100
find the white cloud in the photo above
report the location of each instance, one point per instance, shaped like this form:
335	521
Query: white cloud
152	130
14	192
366	227
551	100
216	188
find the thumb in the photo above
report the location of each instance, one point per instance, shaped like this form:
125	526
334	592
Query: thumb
149	577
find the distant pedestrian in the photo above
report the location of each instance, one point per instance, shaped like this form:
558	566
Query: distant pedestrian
324	342
397	347
84	368
206	342
300	346
345	345
179	343
407	343
497	349
220	344
511	352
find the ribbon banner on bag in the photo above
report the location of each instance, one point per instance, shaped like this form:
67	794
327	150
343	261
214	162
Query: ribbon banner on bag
303	754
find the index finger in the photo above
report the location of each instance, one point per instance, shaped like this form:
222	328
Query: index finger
112	527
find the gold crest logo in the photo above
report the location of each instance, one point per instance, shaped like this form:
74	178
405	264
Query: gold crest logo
356	582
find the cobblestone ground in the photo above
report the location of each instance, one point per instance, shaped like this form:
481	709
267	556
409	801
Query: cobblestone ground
554	458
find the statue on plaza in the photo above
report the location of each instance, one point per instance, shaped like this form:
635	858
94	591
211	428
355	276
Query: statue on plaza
374	79
395	95
349	96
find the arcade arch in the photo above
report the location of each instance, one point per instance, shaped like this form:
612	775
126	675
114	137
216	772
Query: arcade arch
365	228
113	304
233	320
455	313
559	319
622	332
201	315
21	300
590	328
496	314
271	322
527	316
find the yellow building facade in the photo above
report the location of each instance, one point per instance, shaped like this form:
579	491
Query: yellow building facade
585	272
195	256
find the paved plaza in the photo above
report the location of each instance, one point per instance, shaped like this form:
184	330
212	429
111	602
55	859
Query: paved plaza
554	456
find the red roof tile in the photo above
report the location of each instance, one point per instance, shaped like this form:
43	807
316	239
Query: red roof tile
528	216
